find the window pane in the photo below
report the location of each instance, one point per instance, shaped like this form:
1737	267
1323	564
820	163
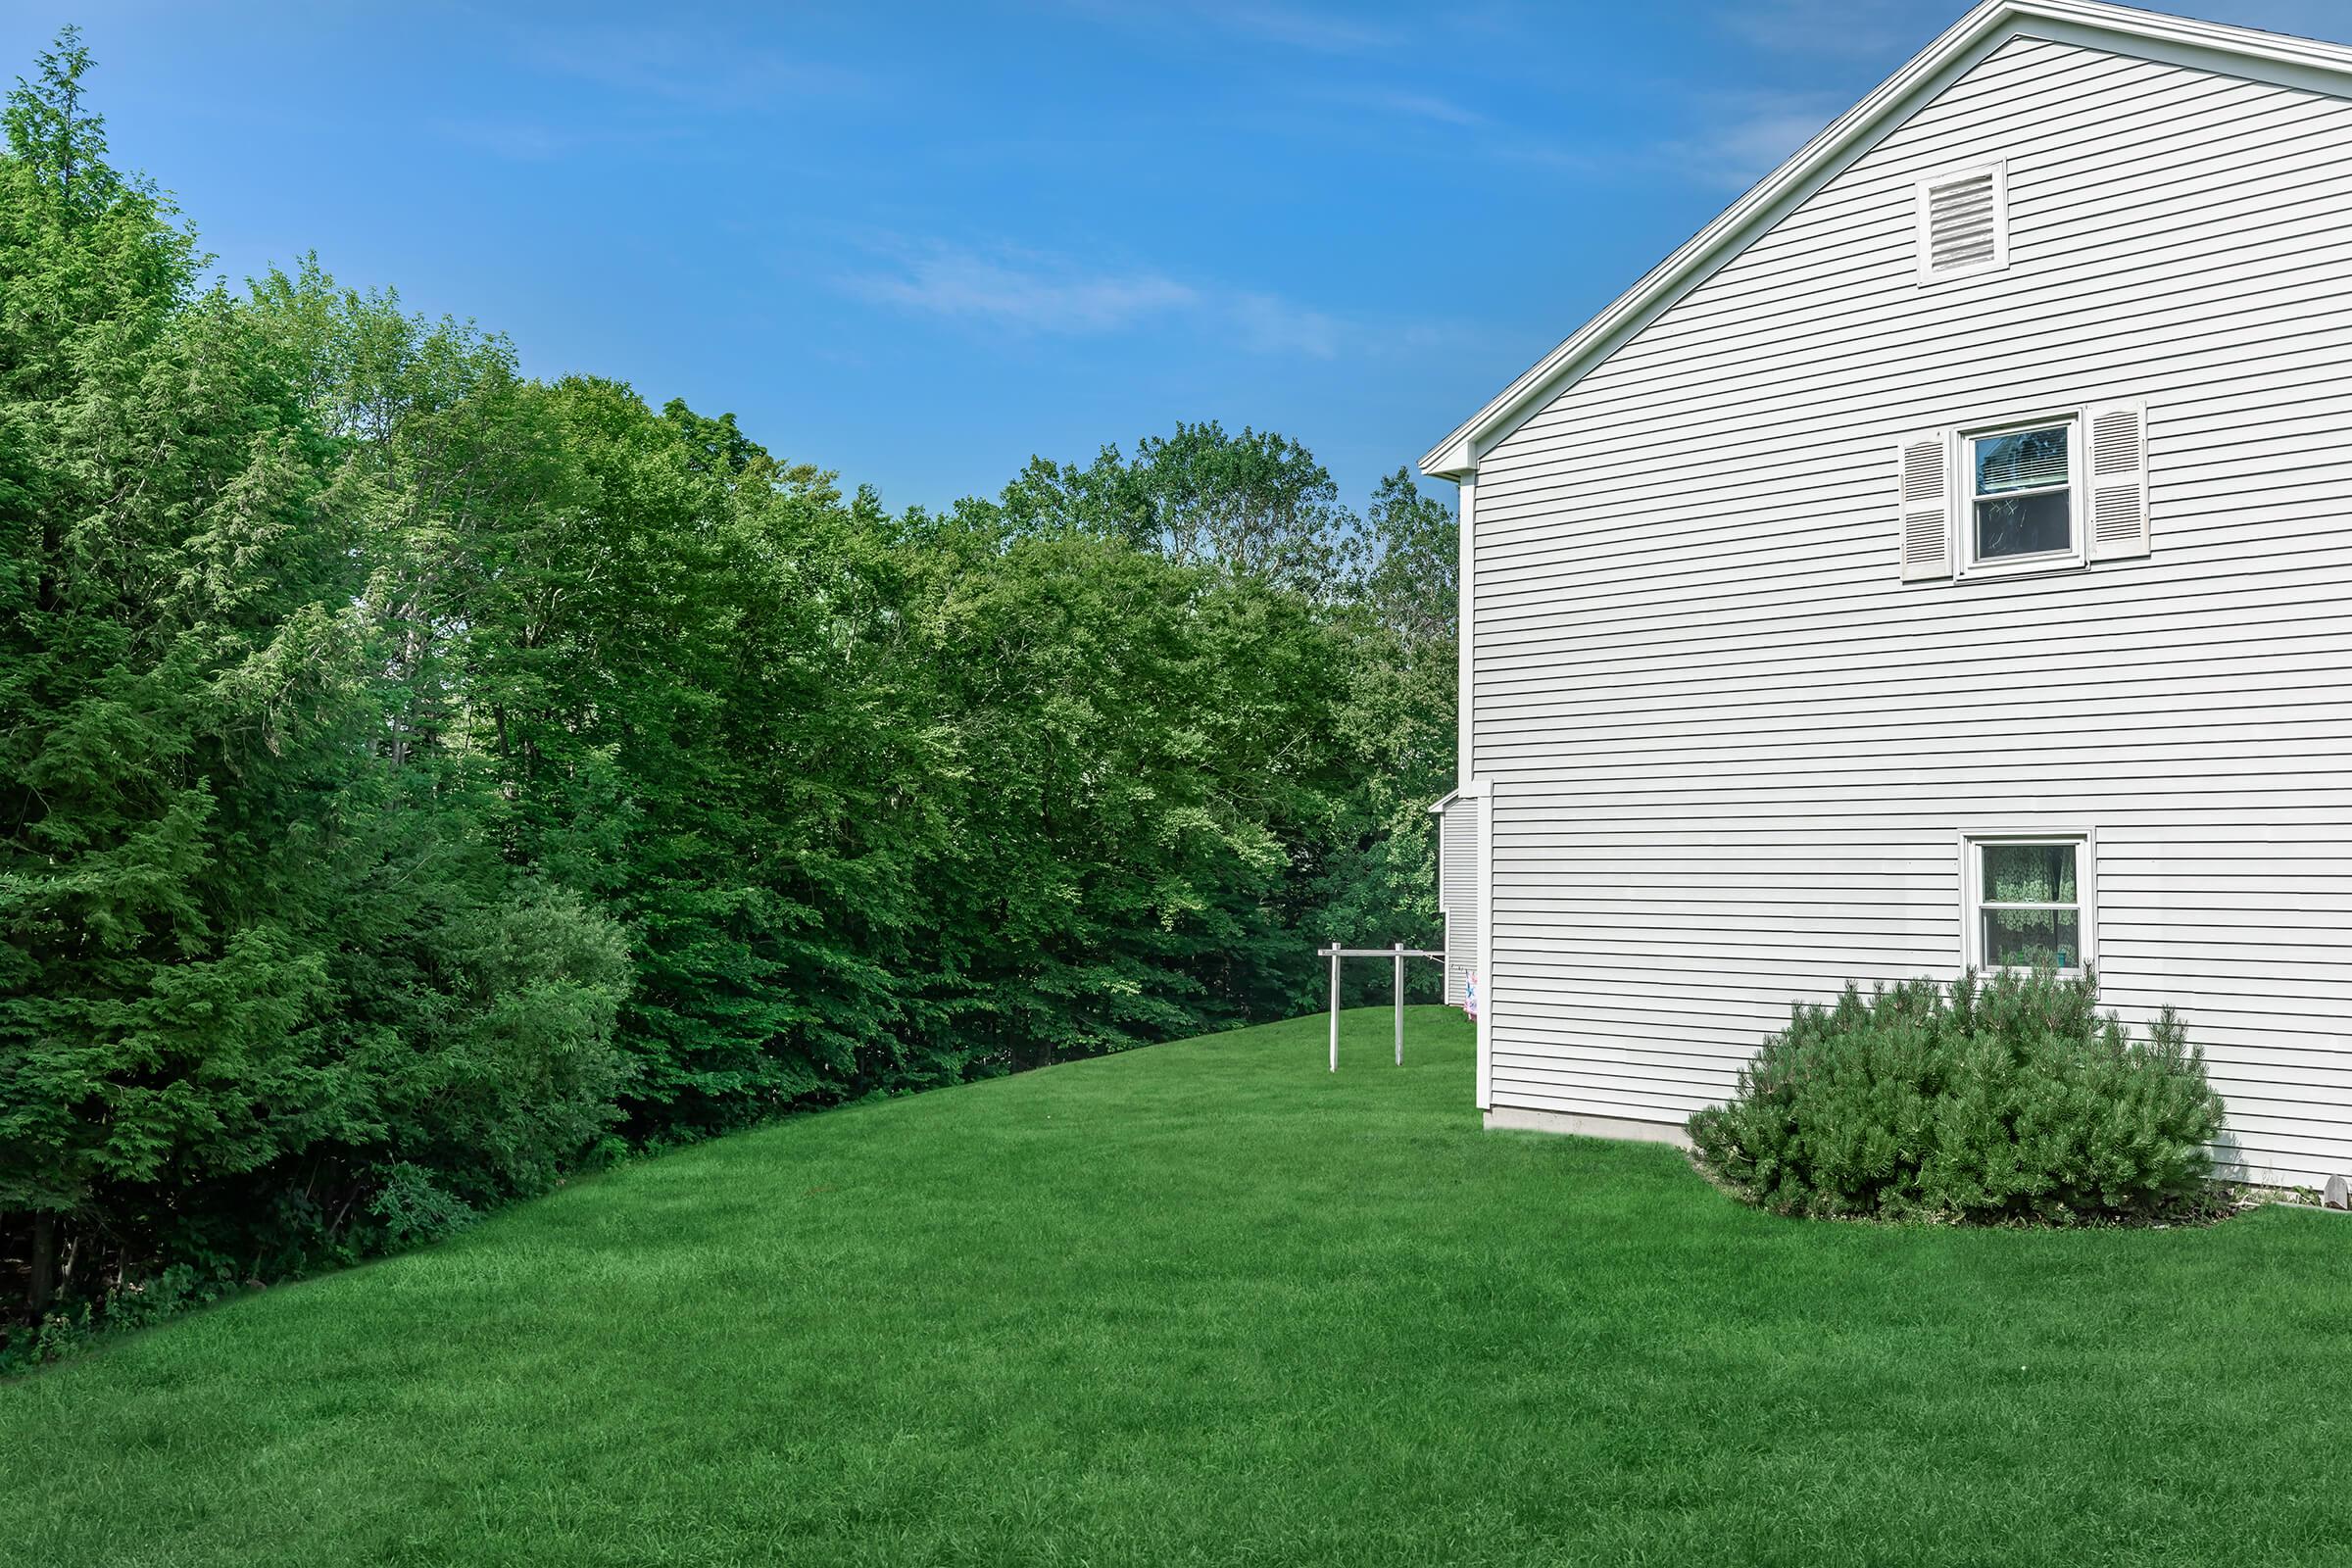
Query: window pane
2026	939
2029	873
2023	459
2024	525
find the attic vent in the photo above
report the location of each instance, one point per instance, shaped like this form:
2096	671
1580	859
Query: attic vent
1963	222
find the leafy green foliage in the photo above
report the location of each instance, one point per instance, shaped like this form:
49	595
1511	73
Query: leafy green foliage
415	1208
418	781
2007	1098
1254	505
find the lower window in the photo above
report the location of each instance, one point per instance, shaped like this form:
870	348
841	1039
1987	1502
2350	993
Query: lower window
2028	902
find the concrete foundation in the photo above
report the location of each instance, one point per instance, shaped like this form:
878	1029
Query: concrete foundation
1560	1121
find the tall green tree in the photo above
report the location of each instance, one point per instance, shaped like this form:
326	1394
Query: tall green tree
1254	504
418	780
166	657
1399	721
243	964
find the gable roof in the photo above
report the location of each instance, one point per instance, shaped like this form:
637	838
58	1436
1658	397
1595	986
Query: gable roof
2091	24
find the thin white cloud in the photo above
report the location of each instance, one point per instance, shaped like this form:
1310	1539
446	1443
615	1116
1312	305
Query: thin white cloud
1027	291
1315	31
1735	140
701	66
1413	105
1319	30
1270	324
521	141
533	141
1844	28
1746	135
1597	161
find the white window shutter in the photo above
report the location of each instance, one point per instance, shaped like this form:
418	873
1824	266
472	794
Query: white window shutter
2118	481
1925	463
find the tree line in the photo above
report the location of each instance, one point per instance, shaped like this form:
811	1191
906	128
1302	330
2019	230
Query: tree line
419	781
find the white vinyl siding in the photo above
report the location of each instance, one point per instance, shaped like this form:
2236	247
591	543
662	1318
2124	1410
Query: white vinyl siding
1458	854
1730	755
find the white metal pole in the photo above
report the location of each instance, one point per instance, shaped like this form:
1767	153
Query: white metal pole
1335	1004
1399	951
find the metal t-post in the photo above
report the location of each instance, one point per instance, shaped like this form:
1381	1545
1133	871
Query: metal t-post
1399	951
1335	1004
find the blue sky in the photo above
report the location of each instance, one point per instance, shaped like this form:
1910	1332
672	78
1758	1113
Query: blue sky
918	244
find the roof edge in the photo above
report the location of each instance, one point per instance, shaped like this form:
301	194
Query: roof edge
2303	61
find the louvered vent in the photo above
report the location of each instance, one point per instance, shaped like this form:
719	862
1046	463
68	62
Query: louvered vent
1960	222
1962	226
1459	856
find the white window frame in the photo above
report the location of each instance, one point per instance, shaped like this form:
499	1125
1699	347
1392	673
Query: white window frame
1965	561
1923	240
2085	845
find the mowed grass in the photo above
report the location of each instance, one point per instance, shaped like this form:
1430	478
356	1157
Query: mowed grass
1206	1304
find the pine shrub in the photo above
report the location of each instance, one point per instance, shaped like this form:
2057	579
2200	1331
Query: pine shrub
2009	1099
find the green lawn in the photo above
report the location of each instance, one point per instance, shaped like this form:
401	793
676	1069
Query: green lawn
1206	1303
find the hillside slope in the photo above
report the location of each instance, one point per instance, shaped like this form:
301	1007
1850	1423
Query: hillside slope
1206	1302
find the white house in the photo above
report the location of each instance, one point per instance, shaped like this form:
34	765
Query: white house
1944	559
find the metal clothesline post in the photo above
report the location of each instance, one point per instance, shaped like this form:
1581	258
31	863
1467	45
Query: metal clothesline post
1396	954
1399	952
1335	1004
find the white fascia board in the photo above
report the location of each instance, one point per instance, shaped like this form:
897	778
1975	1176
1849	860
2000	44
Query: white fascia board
1452	461
1475	789
2272	57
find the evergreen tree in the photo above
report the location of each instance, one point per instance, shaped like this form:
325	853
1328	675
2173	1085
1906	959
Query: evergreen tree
166	649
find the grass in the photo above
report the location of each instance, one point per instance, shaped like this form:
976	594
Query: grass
1206	1304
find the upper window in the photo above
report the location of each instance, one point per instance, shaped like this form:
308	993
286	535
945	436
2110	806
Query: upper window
2029	904
2031	494
2022	493
1962	220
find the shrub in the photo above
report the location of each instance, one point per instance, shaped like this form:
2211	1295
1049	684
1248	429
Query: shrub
2006	1098
414	1209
